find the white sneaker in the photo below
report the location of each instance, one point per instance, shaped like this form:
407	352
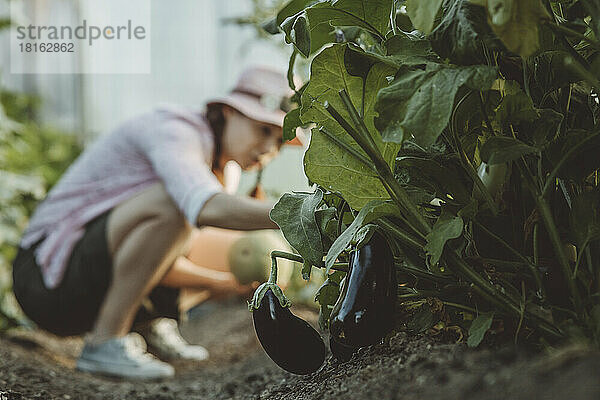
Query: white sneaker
164	340
122	357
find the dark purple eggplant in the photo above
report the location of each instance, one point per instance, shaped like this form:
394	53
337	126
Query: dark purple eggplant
364	312
290	341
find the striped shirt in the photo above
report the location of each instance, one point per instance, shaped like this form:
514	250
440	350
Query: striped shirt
172	145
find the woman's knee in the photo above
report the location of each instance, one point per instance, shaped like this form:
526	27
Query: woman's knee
155	206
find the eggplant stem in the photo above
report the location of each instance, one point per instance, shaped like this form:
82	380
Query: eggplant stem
297	258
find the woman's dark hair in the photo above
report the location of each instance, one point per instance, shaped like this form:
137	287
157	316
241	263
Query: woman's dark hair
216	120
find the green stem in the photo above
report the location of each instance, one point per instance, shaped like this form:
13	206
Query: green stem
487	196
488	291
365	140
580	253
569	32
546	215
341	217
359	123
485	116
550	179
522	316
422	274
466	163
290	71
525	77
393	19
563	39
411	296
536	244
297	258
345	146
402	236
462	268
362	142
343	267
527	176
273	274
532	267
503	265
459	306
412	227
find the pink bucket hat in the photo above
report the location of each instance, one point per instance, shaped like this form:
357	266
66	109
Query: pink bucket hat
258	94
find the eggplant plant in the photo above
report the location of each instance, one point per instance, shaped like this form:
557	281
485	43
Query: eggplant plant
468	132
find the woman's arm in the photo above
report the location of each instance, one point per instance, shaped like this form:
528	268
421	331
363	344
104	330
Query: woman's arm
186	274
233	212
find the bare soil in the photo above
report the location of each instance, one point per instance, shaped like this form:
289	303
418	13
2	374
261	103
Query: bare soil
35	365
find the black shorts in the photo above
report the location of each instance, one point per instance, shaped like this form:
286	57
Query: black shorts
72	307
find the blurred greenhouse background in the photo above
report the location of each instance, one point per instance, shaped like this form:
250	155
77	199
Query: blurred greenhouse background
198	48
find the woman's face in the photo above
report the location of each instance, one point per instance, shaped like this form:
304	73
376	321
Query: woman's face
249	142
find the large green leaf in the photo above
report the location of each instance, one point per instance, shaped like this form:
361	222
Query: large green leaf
463	34
542	131
516	107
407	49
419	102
321	18
502	149
370	212
325	163
422	13
448	226
294	213
400	50
293	7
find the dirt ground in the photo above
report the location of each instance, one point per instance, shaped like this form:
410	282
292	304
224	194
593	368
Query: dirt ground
34	365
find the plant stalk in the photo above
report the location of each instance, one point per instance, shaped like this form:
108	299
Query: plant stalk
345	146
488	291
546	215
369	146
532	267
297	258
570	32
466	163
550	179
402	236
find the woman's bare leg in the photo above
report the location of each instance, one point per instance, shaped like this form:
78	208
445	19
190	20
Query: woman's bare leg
145	235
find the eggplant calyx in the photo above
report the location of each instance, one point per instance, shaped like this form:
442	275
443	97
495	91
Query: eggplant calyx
259	293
